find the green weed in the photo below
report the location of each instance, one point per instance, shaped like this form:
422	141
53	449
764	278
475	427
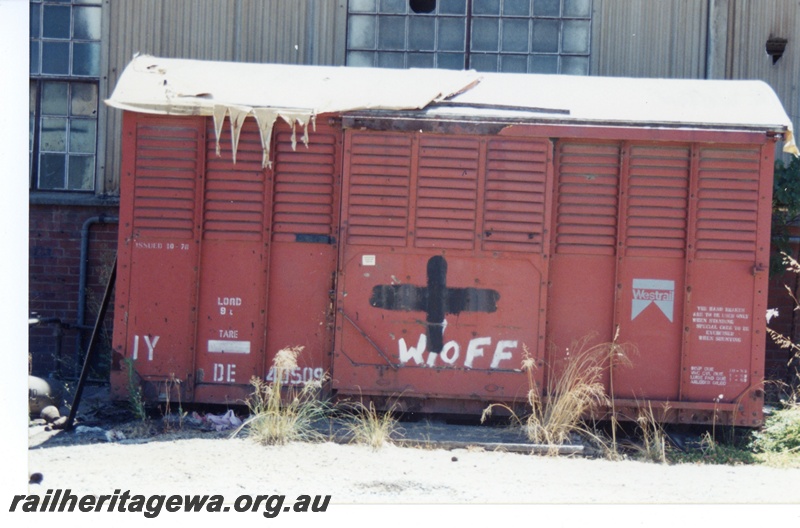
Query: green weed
135	399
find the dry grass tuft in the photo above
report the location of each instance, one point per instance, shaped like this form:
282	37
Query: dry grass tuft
279	414
370	427
654	439
570	396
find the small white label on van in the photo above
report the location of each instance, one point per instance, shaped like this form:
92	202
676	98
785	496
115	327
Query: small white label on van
220	346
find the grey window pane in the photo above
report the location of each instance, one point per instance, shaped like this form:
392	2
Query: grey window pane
32	114
87	23
576	36
514	63
545	36
486	7
34	57
83	101
420	60
485	34
362	6
548	8
56	22
53	136
391	60
360	58
578	8
452	7
31	126
517	7
52	169
421	33
393	6
575	65
361	32
543	64
452	34
391	33
485	63
92	2
450	61
82	135
81	173
55	58
86	59
515	35
35	22
54	98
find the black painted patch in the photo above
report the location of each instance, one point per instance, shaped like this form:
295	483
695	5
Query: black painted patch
315	239
436	299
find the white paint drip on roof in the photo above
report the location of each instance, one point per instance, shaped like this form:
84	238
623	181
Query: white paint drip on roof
295	93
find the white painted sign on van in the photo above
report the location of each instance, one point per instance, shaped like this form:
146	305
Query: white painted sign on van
653	291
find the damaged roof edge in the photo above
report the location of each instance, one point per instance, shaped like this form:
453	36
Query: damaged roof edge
297	94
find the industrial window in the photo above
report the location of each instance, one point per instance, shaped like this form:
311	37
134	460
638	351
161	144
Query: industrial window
64	73
521	36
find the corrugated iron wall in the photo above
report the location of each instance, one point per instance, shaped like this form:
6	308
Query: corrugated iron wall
724	39
296	32
643	38
750	25
635	38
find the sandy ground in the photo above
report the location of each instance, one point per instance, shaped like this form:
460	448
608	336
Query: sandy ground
354	474
405	481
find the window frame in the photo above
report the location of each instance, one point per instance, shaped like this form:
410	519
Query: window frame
73	76
367	50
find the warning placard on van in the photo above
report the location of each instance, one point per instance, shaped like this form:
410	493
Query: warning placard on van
653	291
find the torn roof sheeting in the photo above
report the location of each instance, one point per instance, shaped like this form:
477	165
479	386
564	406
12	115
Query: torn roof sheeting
620	101
296	94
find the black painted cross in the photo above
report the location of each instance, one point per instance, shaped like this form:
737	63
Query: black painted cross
435	299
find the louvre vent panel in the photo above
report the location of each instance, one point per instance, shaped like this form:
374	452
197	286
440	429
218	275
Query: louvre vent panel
164	181
447	192
727	198
233	207
380	172
588	190
516	173
657	204
304	186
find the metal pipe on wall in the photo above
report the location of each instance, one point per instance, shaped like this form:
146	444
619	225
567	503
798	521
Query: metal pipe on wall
84	270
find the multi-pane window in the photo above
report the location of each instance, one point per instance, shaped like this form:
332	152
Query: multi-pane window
533	36
65	71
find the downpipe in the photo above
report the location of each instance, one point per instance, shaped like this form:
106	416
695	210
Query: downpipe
83	274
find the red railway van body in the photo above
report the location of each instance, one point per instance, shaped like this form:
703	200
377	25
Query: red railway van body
420	252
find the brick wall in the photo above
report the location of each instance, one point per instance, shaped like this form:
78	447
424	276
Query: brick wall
54	279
